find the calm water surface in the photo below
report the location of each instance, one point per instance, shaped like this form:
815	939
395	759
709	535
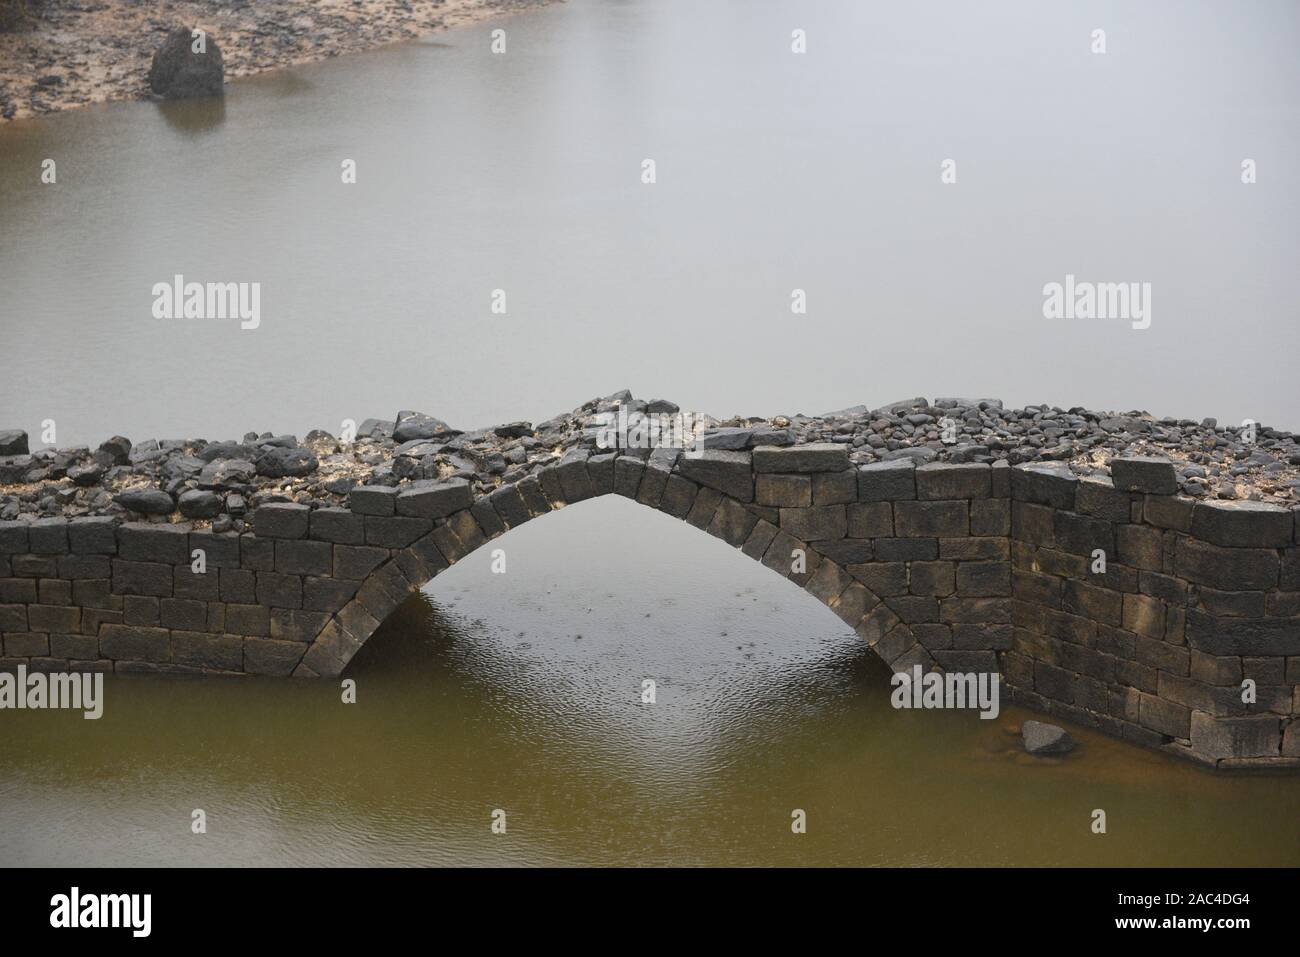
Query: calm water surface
522	692
775	171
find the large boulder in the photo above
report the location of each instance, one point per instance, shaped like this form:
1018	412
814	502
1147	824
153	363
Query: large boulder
278	462
179	73
148	501
417	425
13	442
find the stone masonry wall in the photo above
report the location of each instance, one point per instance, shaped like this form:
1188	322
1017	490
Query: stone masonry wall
964	567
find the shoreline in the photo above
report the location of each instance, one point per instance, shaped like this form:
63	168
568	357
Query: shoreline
69	58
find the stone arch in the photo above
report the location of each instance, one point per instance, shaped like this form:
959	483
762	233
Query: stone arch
659	482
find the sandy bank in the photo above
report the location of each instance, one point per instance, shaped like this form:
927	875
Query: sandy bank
67	57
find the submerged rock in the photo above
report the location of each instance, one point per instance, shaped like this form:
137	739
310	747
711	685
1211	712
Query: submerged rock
1042	738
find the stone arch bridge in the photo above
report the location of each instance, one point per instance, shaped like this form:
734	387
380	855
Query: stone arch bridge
966	566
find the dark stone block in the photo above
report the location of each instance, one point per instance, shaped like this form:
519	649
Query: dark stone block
732	523
467	530
187	584
276	658
237	585
654	478
207	651
1044	484
74	567
845	551
1241	524
783	491
759	539
429	499
303	557
914	519
812	457
281	520
976	610
48	536
678	496
1081	534
942	480
127	643
530	490
871	520
35	566
1242	636
549	480
1097	496
510	506
906	549
835	488
600	469
1141	546
883	578
887	481
1229	569
13	538
932	578
355	562
93	535
728	472
990	517
1168	511
141	578
396	531
1144	473
572	473
338	525
828	581
702	510
488	519
982	579
914	609
184	613
817	522
295	624
220	549
140	542
279	591
256	553
627	475
246	620
327	594
373	500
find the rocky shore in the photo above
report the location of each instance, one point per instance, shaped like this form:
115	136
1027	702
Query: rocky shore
60	54
219	483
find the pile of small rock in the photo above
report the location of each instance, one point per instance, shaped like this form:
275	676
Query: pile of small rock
220	482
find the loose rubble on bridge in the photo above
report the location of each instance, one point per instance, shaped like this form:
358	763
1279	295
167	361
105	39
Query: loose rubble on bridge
221	481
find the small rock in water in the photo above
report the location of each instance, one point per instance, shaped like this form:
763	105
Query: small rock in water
1042	738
